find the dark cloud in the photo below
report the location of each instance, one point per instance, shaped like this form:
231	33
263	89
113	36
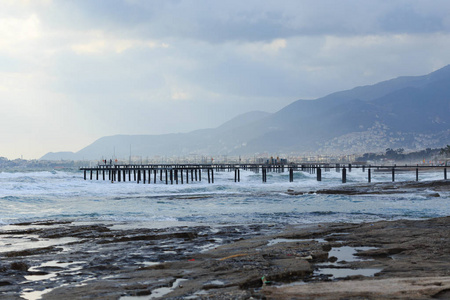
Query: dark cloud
250	20
404	19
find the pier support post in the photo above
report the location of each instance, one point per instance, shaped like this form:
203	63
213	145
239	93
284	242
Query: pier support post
349	167
154	176
369	175
393	174
291	175
167	182
445	173
209	177
417	174
84	174
264	174
344	175
319	174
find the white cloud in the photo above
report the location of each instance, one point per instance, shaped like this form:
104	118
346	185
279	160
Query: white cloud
180	96
97	42
18	32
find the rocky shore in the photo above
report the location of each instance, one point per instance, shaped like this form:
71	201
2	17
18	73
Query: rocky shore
404	259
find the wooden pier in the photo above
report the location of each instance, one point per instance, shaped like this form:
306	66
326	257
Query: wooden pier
185	173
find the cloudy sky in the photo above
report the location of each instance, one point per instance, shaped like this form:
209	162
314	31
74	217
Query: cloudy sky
72	71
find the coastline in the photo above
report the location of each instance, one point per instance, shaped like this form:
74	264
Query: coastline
409	260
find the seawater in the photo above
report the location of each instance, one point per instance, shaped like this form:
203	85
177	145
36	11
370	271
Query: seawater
61	196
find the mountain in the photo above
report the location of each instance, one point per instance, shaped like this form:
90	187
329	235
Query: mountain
409	112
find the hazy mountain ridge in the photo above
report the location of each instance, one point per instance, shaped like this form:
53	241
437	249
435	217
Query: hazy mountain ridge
408	112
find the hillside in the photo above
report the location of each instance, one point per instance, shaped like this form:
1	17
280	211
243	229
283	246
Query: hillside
408	112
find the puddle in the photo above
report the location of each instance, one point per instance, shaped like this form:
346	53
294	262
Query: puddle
215	282
149	263
344	272
39	277
8	244
62	268
281	240
210	246
34	295
197	295
156	293
347	253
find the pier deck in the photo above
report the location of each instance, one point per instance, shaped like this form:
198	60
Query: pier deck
183	173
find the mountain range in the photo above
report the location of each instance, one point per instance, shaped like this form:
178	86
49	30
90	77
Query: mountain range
411	112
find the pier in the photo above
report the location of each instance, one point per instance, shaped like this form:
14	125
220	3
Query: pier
185	173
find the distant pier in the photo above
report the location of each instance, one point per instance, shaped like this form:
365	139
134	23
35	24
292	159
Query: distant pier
186	173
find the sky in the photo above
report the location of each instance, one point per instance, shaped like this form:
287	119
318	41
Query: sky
73	71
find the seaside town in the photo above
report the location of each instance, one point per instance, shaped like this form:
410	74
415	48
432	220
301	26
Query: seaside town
432	157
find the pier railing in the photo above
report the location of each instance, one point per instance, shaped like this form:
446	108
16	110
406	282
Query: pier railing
183	173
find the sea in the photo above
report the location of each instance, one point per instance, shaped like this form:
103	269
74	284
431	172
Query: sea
65	196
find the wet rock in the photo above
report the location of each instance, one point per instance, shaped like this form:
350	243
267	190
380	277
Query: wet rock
326	247
30	252
234	265
320	256
393	288
332	259
19	266
389	188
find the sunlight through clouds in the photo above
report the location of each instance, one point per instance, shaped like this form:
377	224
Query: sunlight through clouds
96	42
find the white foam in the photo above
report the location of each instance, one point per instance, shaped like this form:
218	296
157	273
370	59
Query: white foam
38	196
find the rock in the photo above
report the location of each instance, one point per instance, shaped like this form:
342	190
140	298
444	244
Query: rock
19	266
393	288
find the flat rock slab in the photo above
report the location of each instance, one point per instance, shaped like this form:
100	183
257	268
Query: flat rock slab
383	188
394	288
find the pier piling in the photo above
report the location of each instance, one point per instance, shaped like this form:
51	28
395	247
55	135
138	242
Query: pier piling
175	172
344	175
